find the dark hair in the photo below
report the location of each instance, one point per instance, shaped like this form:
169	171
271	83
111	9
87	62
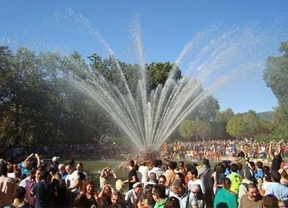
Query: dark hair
266	169
234	167
227	183
19	192
193	171
270	201
131	163
172	202
3	169
259	164
159	191
275	176
162	176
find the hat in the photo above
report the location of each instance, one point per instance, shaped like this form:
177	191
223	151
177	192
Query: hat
137	184
55	159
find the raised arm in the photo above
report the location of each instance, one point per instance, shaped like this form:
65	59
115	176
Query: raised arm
270	150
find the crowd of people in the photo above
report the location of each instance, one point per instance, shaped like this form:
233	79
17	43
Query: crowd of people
240	183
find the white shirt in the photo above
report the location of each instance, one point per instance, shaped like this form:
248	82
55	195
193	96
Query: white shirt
143	170
71	179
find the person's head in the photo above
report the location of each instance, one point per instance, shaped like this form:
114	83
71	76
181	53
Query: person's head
234	167
61	168
177	187
172	202
69	169
268	178
79	167
266	169
131	163
275	176
181	164
137	187
162	180
116	197
227	183
89	187
206	162
191	174
158	192
259	165
3	169
180	176
252	192
44	174
19	193
269	201
152	176
71	162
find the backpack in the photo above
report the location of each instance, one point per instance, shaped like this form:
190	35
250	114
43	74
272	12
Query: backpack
235	183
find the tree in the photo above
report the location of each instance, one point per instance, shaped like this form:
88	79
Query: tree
189	129
247	125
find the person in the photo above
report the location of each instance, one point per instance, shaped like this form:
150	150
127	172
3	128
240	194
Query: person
218	178
62	172
134	195
104	176
18	201
170	173
224	197
186	199
143	171
157	168
117	198
158	194
204	174
148	199
277	189
7	186
234	178
252	198
244	184
275	157
270	201
132	175
104	196
196	182
27	183
91	194
42	190
73	183
172	202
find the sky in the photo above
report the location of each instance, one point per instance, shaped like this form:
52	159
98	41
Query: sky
224	42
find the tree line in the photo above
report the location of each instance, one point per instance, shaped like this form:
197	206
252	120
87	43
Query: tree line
40	105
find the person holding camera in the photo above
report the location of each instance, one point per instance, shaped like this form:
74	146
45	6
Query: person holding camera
104	176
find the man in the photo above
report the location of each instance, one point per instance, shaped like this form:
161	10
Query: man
27	183
134	195
18	200
143	172
275	157
72	183
235	179
43	191
157	168
132	175
158	194
277	189
177	190
7	186
170	173
252	199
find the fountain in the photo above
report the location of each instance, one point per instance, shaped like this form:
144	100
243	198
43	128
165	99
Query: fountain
150	116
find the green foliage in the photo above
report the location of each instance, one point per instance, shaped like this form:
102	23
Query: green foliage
189	129
248	125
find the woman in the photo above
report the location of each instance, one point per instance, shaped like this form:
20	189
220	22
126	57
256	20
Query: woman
105	196
91	194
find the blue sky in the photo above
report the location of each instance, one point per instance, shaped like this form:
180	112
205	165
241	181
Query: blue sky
256	27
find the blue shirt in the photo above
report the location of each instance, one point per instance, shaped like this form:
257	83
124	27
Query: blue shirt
279	190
